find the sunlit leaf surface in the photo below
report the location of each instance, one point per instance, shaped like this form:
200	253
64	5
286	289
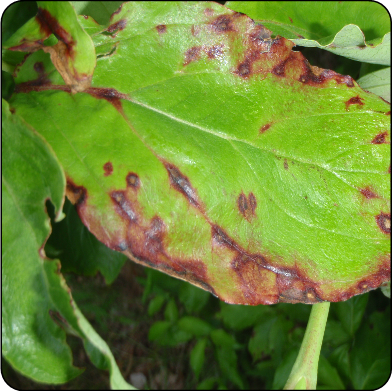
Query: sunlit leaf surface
213	152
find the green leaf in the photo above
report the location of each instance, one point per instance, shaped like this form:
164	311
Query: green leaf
156	304
31	341
227	360
378	82
350	313
193	298
101	11
171	311
195	326
223	339
79	251
282	372
371	354
328	375
158	330
220	157
239	317
197	356
386	289
339	27
36	303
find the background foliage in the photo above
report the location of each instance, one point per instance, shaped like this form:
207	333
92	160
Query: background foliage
165	333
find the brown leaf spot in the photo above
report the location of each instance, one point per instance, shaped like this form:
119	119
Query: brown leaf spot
265	127
285	164
220	236
368	193
118	26
109	94
380	138
208	12
291	20
244	69
181	183
388	113
192	54
384	222
133	180
49	23
252	203
215	51
247	205
161	28
108	168
76	194
123	205
223	24
242	204
355	100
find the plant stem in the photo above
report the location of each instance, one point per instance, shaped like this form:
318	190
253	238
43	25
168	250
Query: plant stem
303	376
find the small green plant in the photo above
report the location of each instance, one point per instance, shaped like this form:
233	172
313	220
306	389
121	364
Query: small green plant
199	142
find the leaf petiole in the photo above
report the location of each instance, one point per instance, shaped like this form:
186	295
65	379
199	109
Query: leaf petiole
303	376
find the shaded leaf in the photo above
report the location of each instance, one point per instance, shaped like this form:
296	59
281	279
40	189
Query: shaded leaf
79	251
194	299
195	326
101	11
197	356
339	27
156	304
171	311
350	313
328	376
221	157
371	354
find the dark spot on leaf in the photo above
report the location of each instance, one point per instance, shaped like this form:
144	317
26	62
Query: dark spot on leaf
161	28
265	127
208	12
244	69
192	54
291	20
252	203
133	180
223	24
39	68
58	318
154	236
220	236
109	94
242	203
108	168
85	16
77	194
118	26
355	100
380	138
123	205
279	69
285	164
388	113
181	183
368	193
384	222
48	22
215	51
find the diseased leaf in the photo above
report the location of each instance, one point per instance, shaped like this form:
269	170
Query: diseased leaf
213	152
337	26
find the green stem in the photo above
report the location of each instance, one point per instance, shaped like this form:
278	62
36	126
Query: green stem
303	376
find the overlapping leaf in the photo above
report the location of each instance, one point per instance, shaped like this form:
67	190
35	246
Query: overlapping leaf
211	151
337	26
